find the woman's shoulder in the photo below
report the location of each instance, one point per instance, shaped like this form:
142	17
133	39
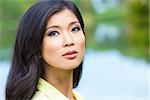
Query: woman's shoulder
78	96
39	96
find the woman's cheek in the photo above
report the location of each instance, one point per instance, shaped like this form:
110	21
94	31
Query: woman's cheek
82	44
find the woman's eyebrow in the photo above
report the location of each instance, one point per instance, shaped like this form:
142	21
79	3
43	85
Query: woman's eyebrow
55	26
74	22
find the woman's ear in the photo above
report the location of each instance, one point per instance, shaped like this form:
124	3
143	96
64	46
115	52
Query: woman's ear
40	53
39	56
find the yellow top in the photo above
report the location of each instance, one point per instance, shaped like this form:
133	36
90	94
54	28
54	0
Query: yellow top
48	92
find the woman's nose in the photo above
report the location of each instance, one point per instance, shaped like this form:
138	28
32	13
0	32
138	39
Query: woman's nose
68	40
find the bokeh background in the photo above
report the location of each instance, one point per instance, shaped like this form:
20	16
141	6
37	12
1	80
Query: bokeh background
116	64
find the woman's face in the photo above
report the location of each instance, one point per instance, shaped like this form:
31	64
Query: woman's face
64	41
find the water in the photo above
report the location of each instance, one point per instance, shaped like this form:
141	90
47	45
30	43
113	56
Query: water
111	76
106	76
4	69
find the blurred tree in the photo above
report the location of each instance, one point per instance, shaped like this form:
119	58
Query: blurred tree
137	28
11	11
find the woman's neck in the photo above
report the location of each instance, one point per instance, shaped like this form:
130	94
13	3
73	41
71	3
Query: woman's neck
60	79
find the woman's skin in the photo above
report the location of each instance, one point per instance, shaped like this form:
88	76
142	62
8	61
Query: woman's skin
63	35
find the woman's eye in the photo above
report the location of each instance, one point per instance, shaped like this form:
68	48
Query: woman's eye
75	29
53	33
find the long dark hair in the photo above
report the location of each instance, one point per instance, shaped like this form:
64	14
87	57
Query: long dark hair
27	67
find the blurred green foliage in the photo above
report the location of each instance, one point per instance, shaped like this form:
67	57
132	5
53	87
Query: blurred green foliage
10	13
132	17
137	28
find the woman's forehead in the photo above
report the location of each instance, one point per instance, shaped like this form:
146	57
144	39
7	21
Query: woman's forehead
65	16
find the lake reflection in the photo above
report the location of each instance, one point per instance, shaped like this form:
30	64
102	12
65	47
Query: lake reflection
106	76
104	31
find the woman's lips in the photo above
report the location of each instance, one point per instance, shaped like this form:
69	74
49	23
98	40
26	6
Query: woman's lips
70	54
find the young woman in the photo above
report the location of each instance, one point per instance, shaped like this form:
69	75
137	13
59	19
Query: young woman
48	53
